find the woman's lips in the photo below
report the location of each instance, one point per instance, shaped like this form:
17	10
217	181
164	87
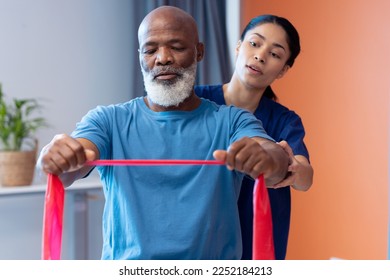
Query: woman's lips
254	69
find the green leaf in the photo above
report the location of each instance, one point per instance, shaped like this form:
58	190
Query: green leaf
17	122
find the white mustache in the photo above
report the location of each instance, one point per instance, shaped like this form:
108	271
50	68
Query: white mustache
166	69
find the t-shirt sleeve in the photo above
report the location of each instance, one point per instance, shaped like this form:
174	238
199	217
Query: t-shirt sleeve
246	124
95	126
293	132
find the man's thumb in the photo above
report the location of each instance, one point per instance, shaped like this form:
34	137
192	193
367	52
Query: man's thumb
90	155
220	155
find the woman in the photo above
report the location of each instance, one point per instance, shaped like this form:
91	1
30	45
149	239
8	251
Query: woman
266	51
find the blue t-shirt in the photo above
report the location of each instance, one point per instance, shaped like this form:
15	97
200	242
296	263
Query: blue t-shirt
281	124
168	212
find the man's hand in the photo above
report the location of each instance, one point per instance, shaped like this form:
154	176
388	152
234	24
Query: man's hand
65	154
248	156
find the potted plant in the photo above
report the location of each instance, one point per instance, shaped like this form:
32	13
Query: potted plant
18	144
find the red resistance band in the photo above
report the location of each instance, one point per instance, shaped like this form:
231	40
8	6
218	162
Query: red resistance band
263	245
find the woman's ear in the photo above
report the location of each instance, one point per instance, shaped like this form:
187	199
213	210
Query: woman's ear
283	71
238	46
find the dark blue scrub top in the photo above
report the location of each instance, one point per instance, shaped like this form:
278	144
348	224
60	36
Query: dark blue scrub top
281	124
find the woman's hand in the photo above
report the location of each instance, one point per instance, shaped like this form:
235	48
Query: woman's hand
300	172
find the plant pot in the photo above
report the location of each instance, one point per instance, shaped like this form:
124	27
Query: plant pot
17	167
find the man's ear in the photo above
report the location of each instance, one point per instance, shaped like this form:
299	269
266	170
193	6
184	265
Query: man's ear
199	51
283	71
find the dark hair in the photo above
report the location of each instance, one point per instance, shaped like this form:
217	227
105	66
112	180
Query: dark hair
292	39
270	93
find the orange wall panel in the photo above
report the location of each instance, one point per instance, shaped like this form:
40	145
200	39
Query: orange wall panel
340	86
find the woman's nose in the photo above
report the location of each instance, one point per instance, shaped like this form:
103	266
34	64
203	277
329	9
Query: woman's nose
260	56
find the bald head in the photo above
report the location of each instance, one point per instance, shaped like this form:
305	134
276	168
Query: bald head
169	50
169	18
169	36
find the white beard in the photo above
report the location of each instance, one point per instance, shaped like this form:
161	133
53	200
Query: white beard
172	92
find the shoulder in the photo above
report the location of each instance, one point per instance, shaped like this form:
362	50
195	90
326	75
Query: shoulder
270	109
125	106
225	113
202	90
113	111
211	92
272	105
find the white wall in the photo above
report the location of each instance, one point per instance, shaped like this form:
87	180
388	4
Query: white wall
72	54
233	12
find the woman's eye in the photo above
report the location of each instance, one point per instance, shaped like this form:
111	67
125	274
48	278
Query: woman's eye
253	44
275	55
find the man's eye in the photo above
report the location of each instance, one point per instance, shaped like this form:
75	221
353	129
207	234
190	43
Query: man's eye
275	55
179	49
148	51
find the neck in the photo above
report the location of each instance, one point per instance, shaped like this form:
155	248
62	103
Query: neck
190	103
237	94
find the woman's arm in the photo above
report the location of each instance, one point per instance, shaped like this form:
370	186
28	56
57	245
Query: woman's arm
300	171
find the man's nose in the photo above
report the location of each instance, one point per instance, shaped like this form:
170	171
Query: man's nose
164	57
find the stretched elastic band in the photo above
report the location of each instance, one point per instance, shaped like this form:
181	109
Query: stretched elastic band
132	162
263	246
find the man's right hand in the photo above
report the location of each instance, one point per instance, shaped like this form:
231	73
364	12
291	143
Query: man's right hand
65	154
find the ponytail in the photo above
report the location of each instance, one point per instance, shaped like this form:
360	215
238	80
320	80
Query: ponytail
270	94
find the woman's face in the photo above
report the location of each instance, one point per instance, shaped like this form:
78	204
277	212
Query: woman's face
262	56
